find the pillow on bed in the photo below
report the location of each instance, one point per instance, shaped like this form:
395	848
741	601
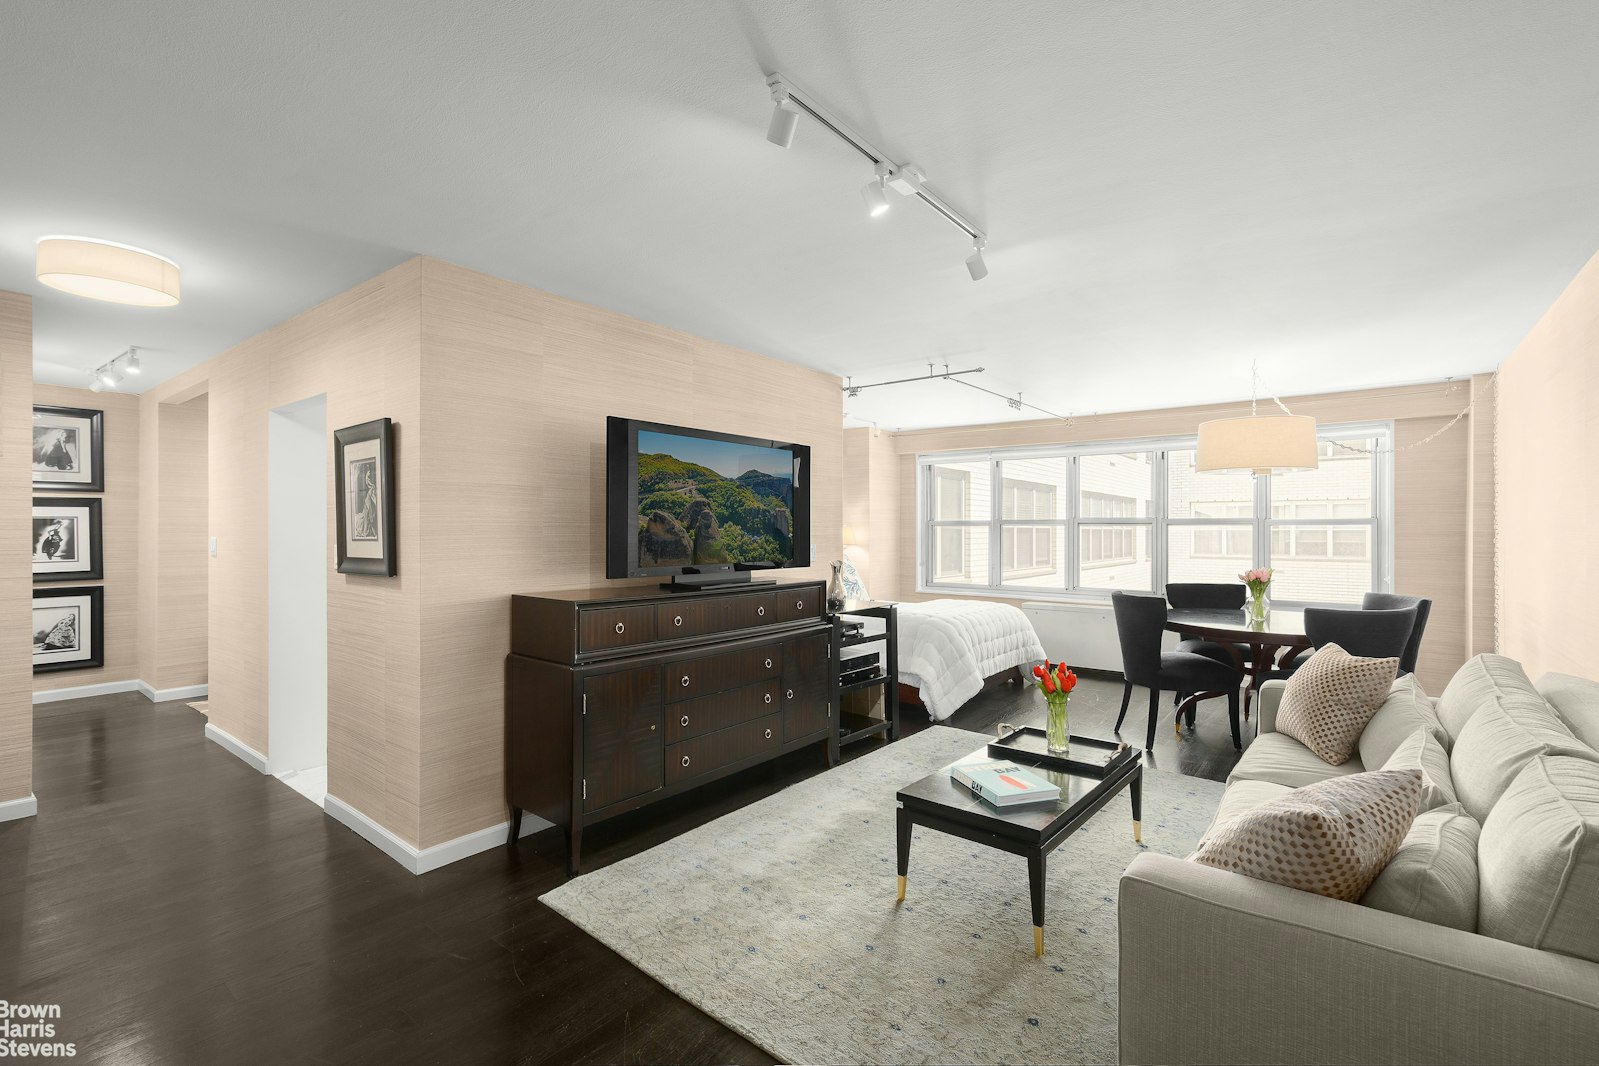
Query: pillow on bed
854	587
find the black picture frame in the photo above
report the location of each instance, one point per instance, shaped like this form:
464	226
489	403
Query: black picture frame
96	625
357	510
87	540
43	462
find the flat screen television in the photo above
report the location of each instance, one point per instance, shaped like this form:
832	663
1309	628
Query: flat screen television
701	506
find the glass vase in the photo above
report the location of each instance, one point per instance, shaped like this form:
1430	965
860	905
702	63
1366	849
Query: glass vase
835	588
1257	607
1056	726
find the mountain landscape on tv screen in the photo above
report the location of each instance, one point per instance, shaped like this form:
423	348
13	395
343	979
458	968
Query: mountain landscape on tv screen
689	515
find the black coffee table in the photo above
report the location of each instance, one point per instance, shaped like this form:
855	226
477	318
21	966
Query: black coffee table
939	802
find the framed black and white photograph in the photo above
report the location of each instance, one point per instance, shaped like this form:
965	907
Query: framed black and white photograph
363	458
68	629
68	449
66	539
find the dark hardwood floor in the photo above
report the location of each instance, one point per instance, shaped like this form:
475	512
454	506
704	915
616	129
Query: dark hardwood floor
180	907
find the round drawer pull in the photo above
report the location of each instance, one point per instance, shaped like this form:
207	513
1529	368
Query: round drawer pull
768	664
685	760
760	612
652	727
685	719
678	620
799	605
790	693
620	627
768	697
685	681
768	734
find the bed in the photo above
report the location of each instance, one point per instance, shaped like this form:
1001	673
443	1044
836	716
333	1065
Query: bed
949	650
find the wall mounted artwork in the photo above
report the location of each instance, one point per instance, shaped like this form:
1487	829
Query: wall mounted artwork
66	539
68	629
364	486
68	449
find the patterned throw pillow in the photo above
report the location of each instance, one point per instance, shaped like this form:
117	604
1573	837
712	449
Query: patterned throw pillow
1328	701
854	587
1332	838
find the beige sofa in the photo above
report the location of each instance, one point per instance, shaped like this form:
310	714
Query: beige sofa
1218	967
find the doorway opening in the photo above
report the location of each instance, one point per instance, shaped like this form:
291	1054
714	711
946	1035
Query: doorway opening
297	596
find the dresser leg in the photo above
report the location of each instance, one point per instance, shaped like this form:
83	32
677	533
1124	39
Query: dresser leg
516	826
574	848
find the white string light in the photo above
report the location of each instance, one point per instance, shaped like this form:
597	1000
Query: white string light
1428	439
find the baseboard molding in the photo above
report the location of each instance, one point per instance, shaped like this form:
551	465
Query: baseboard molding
420	861
230	743
105	688
26	807
166	695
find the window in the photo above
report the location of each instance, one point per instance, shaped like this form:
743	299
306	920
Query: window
1086	520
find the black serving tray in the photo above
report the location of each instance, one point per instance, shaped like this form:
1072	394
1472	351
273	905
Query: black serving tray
1088	756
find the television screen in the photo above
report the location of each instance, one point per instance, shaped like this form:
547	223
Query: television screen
703	501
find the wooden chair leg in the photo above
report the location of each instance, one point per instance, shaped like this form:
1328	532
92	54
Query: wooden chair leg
1127	695
1154	716
1232	718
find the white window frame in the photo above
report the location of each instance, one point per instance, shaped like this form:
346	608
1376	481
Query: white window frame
1157	524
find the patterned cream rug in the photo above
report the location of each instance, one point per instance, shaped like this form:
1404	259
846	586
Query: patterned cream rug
779	920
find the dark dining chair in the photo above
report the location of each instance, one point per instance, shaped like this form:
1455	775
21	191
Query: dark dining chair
1369	634
1389	601
1220	597
1140	621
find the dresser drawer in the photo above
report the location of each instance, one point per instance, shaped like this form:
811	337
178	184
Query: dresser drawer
691	618
749	611
707	714
603	628
690	758
688	678
794	605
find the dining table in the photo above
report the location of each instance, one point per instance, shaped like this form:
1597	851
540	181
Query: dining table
1273	641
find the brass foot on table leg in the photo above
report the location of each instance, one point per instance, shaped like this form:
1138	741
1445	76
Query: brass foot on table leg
1177	726
901	889
1138	832
1038	940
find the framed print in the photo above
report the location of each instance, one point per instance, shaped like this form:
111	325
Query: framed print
68	629
66	539
68	449
363	462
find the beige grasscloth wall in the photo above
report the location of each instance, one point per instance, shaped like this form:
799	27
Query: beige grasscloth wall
16	579
499	394
1432	497
119	534
1547	493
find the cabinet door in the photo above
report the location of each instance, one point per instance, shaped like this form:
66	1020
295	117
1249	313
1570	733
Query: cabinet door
622	741
805	686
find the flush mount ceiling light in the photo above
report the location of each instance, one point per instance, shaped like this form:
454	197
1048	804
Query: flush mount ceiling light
789	102
105	270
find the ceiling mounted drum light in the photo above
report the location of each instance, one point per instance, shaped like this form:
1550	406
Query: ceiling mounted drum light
105	270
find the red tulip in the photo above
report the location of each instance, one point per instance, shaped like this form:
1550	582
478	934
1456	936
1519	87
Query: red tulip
1038	671
1049	684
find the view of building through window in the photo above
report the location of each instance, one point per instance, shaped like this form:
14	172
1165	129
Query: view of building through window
1088	522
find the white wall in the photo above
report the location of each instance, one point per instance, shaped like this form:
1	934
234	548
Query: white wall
297	590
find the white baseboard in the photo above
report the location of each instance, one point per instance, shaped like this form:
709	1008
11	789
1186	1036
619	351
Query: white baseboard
26	807
165	695
228	742
420	861
105	688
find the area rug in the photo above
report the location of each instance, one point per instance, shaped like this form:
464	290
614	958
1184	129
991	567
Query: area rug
780	920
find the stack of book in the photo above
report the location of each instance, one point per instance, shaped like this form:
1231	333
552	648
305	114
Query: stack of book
1004	783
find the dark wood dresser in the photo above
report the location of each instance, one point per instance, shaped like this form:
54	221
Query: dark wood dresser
618	697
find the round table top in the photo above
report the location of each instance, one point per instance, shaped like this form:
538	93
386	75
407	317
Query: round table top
1281	627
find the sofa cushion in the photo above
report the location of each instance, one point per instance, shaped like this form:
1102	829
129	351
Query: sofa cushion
1329	700
1405	709
1485	679
1331	838
1539	859
1501	738
1433	875
1242	797
1283	760
1422	751
1576	700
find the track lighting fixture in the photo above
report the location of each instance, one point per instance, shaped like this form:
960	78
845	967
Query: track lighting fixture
789	102
974	262
111	373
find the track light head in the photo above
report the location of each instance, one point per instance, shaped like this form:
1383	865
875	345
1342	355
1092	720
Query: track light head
95	384
876	199
109	377
784	120
974	262
130	365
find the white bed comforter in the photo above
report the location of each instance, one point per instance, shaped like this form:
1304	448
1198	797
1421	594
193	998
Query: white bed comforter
947	648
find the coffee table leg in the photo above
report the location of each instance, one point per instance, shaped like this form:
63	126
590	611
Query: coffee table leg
1035	884
902	826
1136	788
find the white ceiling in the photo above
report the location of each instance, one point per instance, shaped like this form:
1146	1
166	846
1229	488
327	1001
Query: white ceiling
1352	194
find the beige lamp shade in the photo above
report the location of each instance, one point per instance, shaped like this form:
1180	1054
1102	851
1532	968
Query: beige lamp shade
103	270
1262	445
